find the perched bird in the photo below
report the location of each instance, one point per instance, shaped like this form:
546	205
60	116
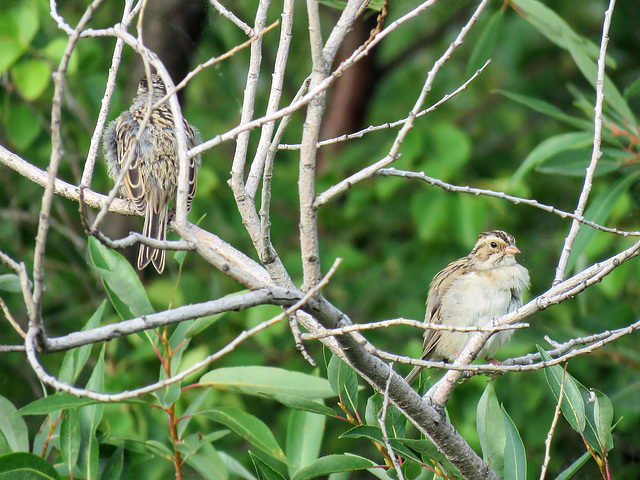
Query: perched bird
152	179
472	291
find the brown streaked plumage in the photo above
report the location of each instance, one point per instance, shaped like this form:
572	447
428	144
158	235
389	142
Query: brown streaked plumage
470	292
152	179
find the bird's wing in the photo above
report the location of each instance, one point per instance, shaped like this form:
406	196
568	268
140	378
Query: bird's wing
126	130
440	284
193	138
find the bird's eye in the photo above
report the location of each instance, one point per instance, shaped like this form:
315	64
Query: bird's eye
494	245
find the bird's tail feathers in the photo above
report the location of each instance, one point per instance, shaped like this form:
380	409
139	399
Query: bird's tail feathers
155	226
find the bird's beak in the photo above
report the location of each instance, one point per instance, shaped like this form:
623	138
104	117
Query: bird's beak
511	249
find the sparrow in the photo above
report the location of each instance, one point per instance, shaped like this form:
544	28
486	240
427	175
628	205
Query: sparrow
152	179
470	292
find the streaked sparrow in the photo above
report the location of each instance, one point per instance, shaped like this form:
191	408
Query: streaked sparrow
472	291
152	179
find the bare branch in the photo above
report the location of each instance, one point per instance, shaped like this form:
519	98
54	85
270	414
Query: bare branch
434	182
596	153
369	171
231	16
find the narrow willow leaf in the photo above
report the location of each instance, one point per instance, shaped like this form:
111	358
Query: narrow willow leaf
550	147
70	437
257	380
264	470
332	464
491	430
570	471
483	47
515	458
12	427
548	109
305	432
598	211
123	286
572	403
344	382
249	427
303	404
375	434
21	465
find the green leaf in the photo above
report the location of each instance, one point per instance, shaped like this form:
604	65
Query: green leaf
375	434
344	382
191	410
515	458
548	109
23	465
572	404
123	286
598	211
236	469
55	50
603	415
575	163
31	77
75	360
552	26
632	90
305	432
209	463
583	51
178	344
21	125
10	282
113	467
491	430
90	417
200	324
599	413
20	23
249	427
332	464
62	401
264	470
612	95
484	46
10	52
570	471
429	452
551	147
12	427
303	404
259	380
70	438
445	149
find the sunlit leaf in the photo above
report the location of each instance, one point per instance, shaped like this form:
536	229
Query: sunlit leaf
258	380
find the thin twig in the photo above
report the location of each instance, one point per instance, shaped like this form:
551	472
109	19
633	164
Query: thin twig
54	163
34	332
397	123
552	429
12	321
393	153
358	327
596	153
435	182
382	416
231	16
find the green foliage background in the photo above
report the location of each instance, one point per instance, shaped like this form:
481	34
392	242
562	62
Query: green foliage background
393	234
